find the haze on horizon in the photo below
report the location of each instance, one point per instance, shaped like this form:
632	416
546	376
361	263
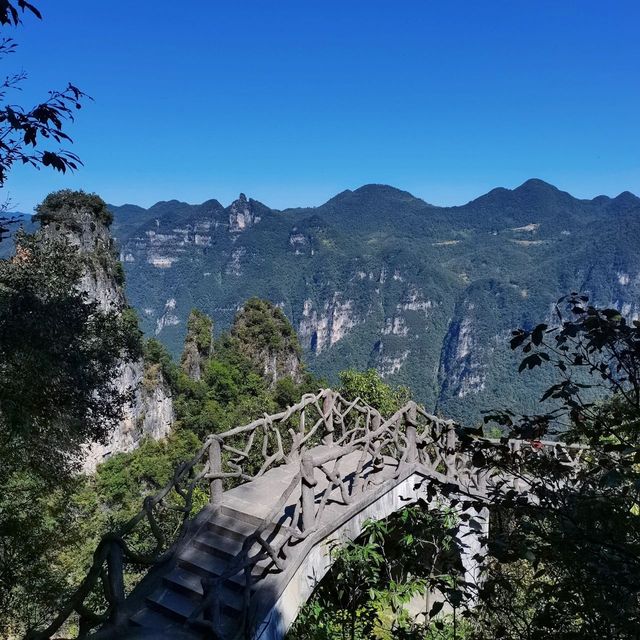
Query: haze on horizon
293	103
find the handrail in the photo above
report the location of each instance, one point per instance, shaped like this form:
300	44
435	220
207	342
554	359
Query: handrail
411	436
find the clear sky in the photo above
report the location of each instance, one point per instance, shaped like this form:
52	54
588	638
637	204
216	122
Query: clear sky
292	101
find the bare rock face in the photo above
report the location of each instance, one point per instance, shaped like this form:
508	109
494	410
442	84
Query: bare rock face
84	220
149	415
320	328
242	214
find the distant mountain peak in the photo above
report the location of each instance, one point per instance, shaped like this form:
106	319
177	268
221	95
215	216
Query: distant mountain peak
536	185
375	187
376	193
161	204
242	214
627	196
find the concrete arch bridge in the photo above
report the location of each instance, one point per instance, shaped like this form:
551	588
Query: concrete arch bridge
281	490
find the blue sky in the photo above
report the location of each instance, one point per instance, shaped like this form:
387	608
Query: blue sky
294	101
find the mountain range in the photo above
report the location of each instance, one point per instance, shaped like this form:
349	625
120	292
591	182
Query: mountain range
376	277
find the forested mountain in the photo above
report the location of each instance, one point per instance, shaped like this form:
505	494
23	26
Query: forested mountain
379	278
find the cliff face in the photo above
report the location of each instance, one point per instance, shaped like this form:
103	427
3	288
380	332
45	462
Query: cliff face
84	221
198	344
378	278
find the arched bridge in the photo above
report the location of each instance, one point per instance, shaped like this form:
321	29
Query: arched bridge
281	490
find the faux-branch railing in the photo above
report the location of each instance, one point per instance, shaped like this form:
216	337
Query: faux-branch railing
411	438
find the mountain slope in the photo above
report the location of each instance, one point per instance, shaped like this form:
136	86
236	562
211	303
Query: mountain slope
377	277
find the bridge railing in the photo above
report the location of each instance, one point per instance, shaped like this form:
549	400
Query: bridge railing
106	579
379	451
516	465
224	460
333	428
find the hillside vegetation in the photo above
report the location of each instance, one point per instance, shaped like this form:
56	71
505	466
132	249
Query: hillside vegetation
378	278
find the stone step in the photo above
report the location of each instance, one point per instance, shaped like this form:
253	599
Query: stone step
217	544
172	604
206	564
189	584
175	608
150	619
229	526
242	516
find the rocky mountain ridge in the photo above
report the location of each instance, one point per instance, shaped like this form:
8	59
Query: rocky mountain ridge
376	277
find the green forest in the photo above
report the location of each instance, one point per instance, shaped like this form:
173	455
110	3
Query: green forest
173	371
565	567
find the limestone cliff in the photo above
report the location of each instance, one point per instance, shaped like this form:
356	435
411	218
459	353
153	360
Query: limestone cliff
242	214
84	220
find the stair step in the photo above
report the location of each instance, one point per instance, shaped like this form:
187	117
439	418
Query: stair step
207	564
189	584
150	619
242	516
218	544
229	526
172	604
155	625
186	581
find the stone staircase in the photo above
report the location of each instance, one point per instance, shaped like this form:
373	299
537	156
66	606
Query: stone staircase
174	594
292	501
207	555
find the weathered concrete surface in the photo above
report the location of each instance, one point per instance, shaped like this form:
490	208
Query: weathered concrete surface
166	601
314	565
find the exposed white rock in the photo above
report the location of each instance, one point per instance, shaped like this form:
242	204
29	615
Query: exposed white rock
322	328
234	266
414	300
466	367
396	326
465	342
241	215
391	365
532	227
150	415
157	239
473	383
161	262
168	317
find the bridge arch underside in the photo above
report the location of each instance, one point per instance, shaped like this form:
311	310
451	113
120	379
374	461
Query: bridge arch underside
281	605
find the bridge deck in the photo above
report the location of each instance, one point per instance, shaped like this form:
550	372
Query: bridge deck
171	595
248	560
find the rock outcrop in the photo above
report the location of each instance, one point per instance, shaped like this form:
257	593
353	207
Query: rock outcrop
84	220
267	338
242	214
198	344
